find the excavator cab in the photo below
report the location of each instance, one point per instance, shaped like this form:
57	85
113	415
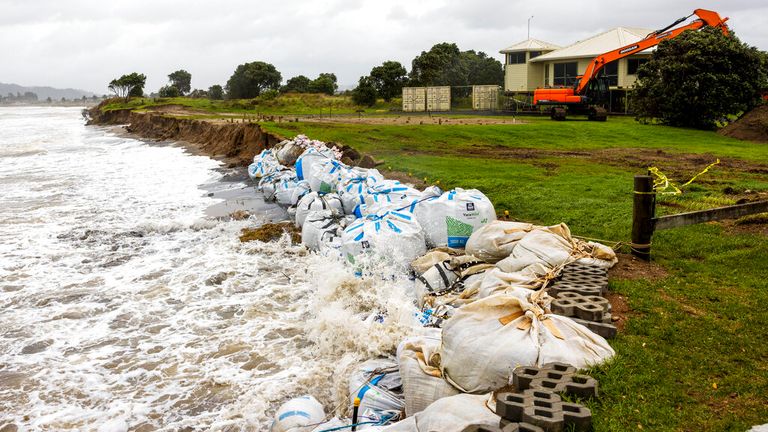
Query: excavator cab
597	91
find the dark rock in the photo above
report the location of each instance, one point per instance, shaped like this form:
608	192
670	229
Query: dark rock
367	162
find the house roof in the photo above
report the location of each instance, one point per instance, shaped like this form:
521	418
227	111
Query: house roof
598	44
530	45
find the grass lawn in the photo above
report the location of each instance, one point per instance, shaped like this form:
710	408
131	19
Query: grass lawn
693	356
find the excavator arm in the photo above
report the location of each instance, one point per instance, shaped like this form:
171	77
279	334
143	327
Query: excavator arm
706	18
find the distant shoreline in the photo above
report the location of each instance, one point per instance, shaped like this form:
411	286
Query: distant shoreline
77	103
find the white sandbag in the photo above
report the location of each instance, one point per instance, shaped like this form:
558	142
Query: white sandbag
268	183
378	385
419	364
496	280
354	186
388	195
323	229
393	236
554	247
309	158
302	188
445	275
450	218
327	175
299	414
316	201
484	341
495	241
263	164
288	151
285	188
450	414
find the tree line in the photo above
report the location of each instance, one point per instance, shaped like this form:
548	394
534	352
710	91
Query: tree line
443	64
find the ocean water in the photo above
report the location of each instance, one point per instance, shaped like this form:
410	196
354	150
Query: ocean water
126	304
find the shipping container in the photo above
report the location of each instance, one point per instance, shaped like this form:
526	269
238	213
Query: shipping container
414	99
485	97
439	98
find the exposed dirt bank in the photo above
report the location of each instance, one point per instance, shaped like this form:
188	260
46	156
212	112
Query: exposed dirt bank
235	143
753	126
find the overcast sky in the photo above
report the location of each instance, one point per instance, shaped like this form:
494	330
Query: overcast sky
86	43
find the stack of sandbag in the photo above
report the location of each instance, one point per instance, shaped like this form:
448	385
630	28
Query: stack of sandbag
451	414
378	385
299	414
354	185
302	188
268	183
263	164
522	282
444	270
554	247
285	189
322	229
288	151
495	241
419	364
316	201
484	341
394	237
311	157
326	175
388	195
449	219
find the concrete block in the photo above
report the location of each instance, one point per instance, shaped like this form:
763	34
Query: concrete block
549	379
605	330
577	415
582	288
507	426
536	410
586	307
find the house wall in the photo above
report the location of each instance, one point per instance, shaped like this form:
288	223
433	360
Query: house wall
516	77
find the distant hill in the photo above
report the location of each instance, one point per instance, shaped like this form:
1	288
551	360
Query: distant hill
44	92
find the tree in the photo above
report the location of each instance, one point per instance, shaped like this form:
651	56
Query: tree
182	80
482	69
324	83
168	91
444	64
699	78
128	85
250	79
198	94
389	79
215	92
297	84
365	92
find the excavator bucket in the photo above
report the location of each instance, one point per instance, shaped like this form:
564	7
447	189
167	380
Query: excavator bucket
713	19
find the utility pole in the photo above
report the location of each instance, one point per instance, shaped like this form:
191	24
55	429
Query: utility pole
529	27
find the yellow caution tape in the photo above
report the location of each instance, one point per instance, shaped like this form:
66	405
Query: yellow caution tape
661	182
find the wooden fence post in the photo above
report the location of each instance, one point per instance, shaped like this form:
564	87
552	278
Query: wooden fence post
643	212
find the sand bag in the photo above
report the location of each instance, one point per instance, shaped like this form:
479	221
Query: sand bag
285	188
392	236
450	218
268	183
302	188
484	341
354	186
496	280
388	195
322	229
327	175
554	247
450	414
495	241
419	363
378	385
299	414
309	158
316	201
446	275
288	151
263	164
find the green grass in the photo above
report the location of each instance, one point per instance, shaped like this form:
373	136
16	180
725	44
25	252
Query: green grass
693	356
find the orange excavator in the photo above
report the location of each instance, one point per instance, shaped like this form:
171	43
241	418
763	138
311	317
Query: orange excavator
590	92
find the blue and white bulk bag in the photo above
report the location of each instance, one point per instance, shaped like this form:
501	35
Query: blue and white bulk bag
302	188
451	218
322	229
326	175
394	237
288	151
285	188
355	184
378	385
268	183
309	158
299	414
316	201
263	164
388	195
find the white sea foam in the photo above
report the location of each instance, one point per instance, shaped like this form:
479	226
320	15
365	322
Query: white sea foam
122	305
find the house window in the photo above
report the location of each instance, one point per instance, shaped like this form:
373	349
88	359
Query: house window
633	64
610	73
516	58
534	54
546	75
565	74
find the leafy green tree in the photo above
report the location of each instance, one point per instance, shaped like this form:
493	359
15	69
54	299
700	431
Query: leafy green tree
482	69
198	94
389	79
441	65
365	92
182	80
168	91
699	78
128	85
215	92
324	83
297	84
250	79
